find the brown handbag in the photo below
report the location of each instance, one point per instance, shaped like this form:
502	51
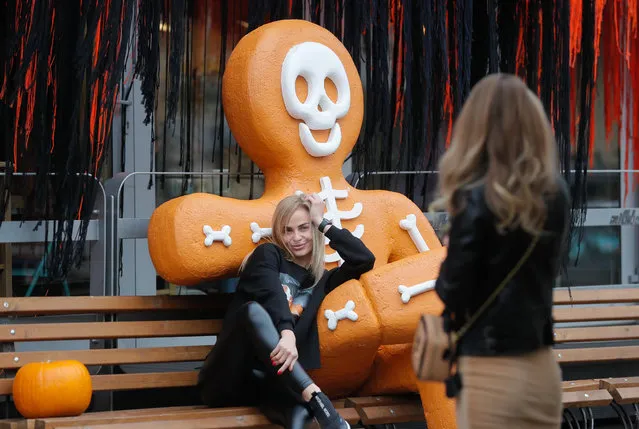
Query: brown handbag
433	347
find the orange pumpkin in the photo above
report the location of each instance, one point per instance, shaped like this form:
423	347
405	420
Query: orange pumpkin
52	389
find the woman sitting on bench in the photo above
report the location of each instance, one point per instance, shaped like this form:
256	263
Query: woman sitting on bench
273	316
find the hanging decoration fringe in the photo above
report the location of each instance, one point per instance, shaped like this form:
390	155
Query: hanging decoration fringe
62	63
60	68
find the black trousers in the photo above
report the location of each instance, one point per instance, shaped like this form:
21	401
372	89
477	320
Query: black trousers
238	371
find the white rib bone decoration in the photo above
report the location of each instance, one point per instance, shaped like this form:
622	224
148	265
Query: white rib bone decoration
410	224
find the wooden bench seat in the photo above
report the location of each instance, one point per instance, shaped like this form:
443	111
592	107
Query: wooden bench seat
183	417
623	390
108	320
584	393
598	326
375	410
398	409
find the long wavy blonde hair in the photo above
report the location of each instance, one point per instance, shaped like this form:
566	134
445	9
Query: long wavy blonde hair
503	140
283	212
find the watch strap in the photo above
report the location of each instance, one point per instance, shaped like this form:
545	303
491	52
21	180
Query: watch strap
323	224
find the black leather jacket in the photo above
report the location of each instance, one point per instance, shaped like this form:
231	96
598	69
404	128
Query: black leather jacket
479	258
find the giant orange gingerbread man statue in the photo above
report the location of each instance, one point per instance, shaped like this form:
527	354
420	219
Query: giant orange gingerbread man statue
294	101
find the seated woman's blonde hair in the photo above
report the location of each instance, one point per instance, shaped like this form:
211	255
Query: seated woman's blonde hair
282	214
503	140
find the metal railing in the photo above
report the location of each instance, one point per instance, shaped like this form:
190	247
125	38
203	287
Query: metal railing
110	227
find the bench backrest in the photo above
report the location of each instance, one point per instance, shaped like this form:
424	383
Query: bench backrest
595	325
115	318
585	320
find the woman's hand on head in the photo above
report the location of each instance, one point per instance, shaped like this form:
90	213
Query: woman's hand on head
285	353
317	208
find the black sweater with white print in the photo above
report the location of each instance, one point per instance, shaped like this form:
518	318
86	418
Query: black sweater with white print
288	293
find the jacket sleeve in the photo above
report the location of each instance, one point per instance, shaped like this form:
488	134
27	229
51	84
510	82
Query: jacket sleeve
357	258
460	270
260	282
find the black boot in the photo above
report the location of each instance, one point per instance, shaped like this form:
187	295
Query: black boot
325	413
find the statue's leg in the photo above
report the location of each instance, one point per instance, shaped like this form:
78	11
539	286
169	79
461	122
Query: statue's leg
438	409
393	374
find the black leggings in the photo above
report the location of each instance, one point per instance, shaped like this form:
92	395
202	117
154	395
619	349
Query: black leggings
238	371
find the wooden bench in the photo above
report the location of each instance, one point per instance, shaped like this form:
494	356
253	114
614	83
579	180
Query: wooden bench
597	326
103	321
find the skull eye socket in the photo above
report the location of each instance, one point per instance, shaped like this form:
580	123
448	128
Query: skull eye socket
301	88
331	89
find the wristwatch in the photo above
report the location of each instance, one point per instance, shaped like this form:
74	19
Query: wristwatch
323	224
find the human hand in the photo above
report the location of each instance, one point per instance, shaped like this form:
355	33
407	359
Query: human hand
285	353
317	208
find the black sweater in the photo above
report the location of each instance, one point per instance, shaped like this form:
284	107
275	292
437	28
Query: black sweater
260	282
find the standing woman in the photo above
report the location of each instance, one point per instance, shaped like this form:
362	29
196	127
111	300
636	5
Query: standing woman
271	322
500	181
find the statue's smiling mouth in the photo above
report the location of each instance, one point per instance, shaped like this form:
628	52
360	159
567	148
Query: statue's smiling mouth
321	141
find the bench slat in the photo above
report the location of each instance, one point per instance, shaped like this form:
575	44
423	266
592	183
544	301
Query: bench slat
170	413
107	415
223	422
596	333
588	398
597	354
209	418
120	417
350	415
110	304
136	381
577	385
595	314
595	296
145	380
367	401
109	356
624	390
392	414
612	383
97	330
625	395
17	424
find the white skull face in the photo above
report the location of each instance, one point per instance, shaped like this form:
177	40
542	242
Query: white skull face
315	63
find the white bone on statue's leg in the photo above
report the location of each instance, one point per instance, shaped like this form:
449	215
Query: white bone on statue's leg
349	311
343	313
407	292
332	319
